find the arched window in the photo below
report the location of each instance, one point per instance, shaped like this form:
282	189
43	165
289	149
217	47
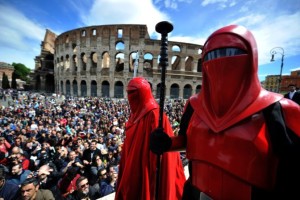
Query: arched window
174	92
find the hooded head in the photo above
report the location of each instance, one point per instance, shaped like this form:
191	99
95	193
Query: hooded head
230	88
140	98
230	78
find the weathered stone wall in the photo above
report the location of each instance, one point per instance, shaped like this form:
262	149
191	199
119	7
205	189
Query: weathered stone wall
99	61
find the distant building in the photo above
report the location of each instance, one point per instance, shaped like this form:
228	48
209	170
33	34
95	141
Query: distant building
294	78
272	81
100	60
43	75
8	70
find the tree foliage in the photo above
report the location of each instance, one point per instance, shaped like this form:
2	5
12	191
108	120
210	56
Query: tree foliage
21	71
5	81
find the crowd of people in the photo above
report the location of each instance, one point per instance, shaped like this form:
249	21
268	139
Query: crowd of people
65	145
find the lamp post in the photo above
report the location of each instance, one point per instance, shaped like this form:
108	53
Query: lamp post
273	52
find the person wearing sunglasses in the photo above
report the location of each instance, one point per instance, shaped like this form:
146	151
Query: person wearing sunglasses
84	191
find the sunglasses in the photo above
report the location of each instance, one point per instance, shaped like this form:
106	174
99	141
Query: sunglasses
104	174
84	185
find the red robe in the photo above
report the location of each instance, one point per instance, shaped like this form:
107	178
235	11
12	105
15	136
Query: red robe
137	170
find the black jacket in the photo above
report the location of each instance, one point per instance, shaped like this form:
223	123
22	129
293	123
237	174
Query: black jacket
296	97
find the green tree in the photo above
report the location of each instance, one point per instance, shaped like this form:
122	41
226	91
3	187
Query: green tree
13	81
5	81
21	71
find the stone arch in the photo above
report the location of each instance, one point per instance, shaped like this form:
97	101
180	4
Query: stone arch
158	91
74	47
119	62
68	88
94	32
188	63
94	60
83	88
187	91
120	45
83	61
67	62
61	63
119	90
93	88
198	88
105	89
148	62
67	39
199	65
75	88
105	60
132	60
75	63
83	33
176	62
174	91
176	48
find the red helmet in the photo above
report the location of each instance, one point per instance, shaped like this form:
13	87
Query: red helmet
140	98
230	81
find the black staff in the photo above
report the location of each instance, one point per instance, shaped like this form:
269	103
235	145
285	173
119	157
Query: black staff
163	28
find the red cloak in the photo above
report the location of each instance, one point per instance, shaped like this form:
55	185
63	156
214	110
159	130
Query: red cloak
137	170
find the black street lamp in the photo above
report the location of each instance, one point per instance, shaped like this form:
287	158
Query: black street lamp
273	52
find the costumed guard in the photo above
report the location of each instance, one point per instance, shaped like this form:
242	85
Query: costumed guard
242	141
136	178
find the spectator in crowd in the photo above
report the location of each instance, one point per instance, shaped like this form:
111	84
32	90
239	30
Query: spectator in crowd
50	140
83	190
4	146
293	94
67	184
136	178
74	162
17	154
18	143
97	164
107	183
18	174
48	179
30	191
8	190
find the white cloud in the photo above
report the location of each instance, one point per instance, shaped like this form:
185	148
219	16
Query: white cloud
19	37
124	12
273	31
188	39
173	4
16	30
220	3
298	68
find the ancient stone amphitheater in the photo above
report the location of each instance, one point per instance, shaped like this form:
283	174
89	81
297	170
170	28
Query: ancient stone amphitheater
100	60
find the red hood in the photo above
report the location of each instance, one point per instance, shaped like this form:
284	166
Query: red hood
231	90
140	98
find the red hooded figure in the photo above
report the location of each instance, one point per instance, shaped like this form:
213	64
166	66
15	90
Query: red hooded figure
137	170
242	142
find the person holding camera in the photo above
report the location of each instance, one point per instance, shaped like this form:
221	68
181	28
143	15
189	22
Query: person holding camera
73	162
17	155
48	179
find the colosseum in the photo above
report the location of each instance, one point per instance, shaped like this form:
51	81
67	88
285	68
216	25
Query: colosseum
100	60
